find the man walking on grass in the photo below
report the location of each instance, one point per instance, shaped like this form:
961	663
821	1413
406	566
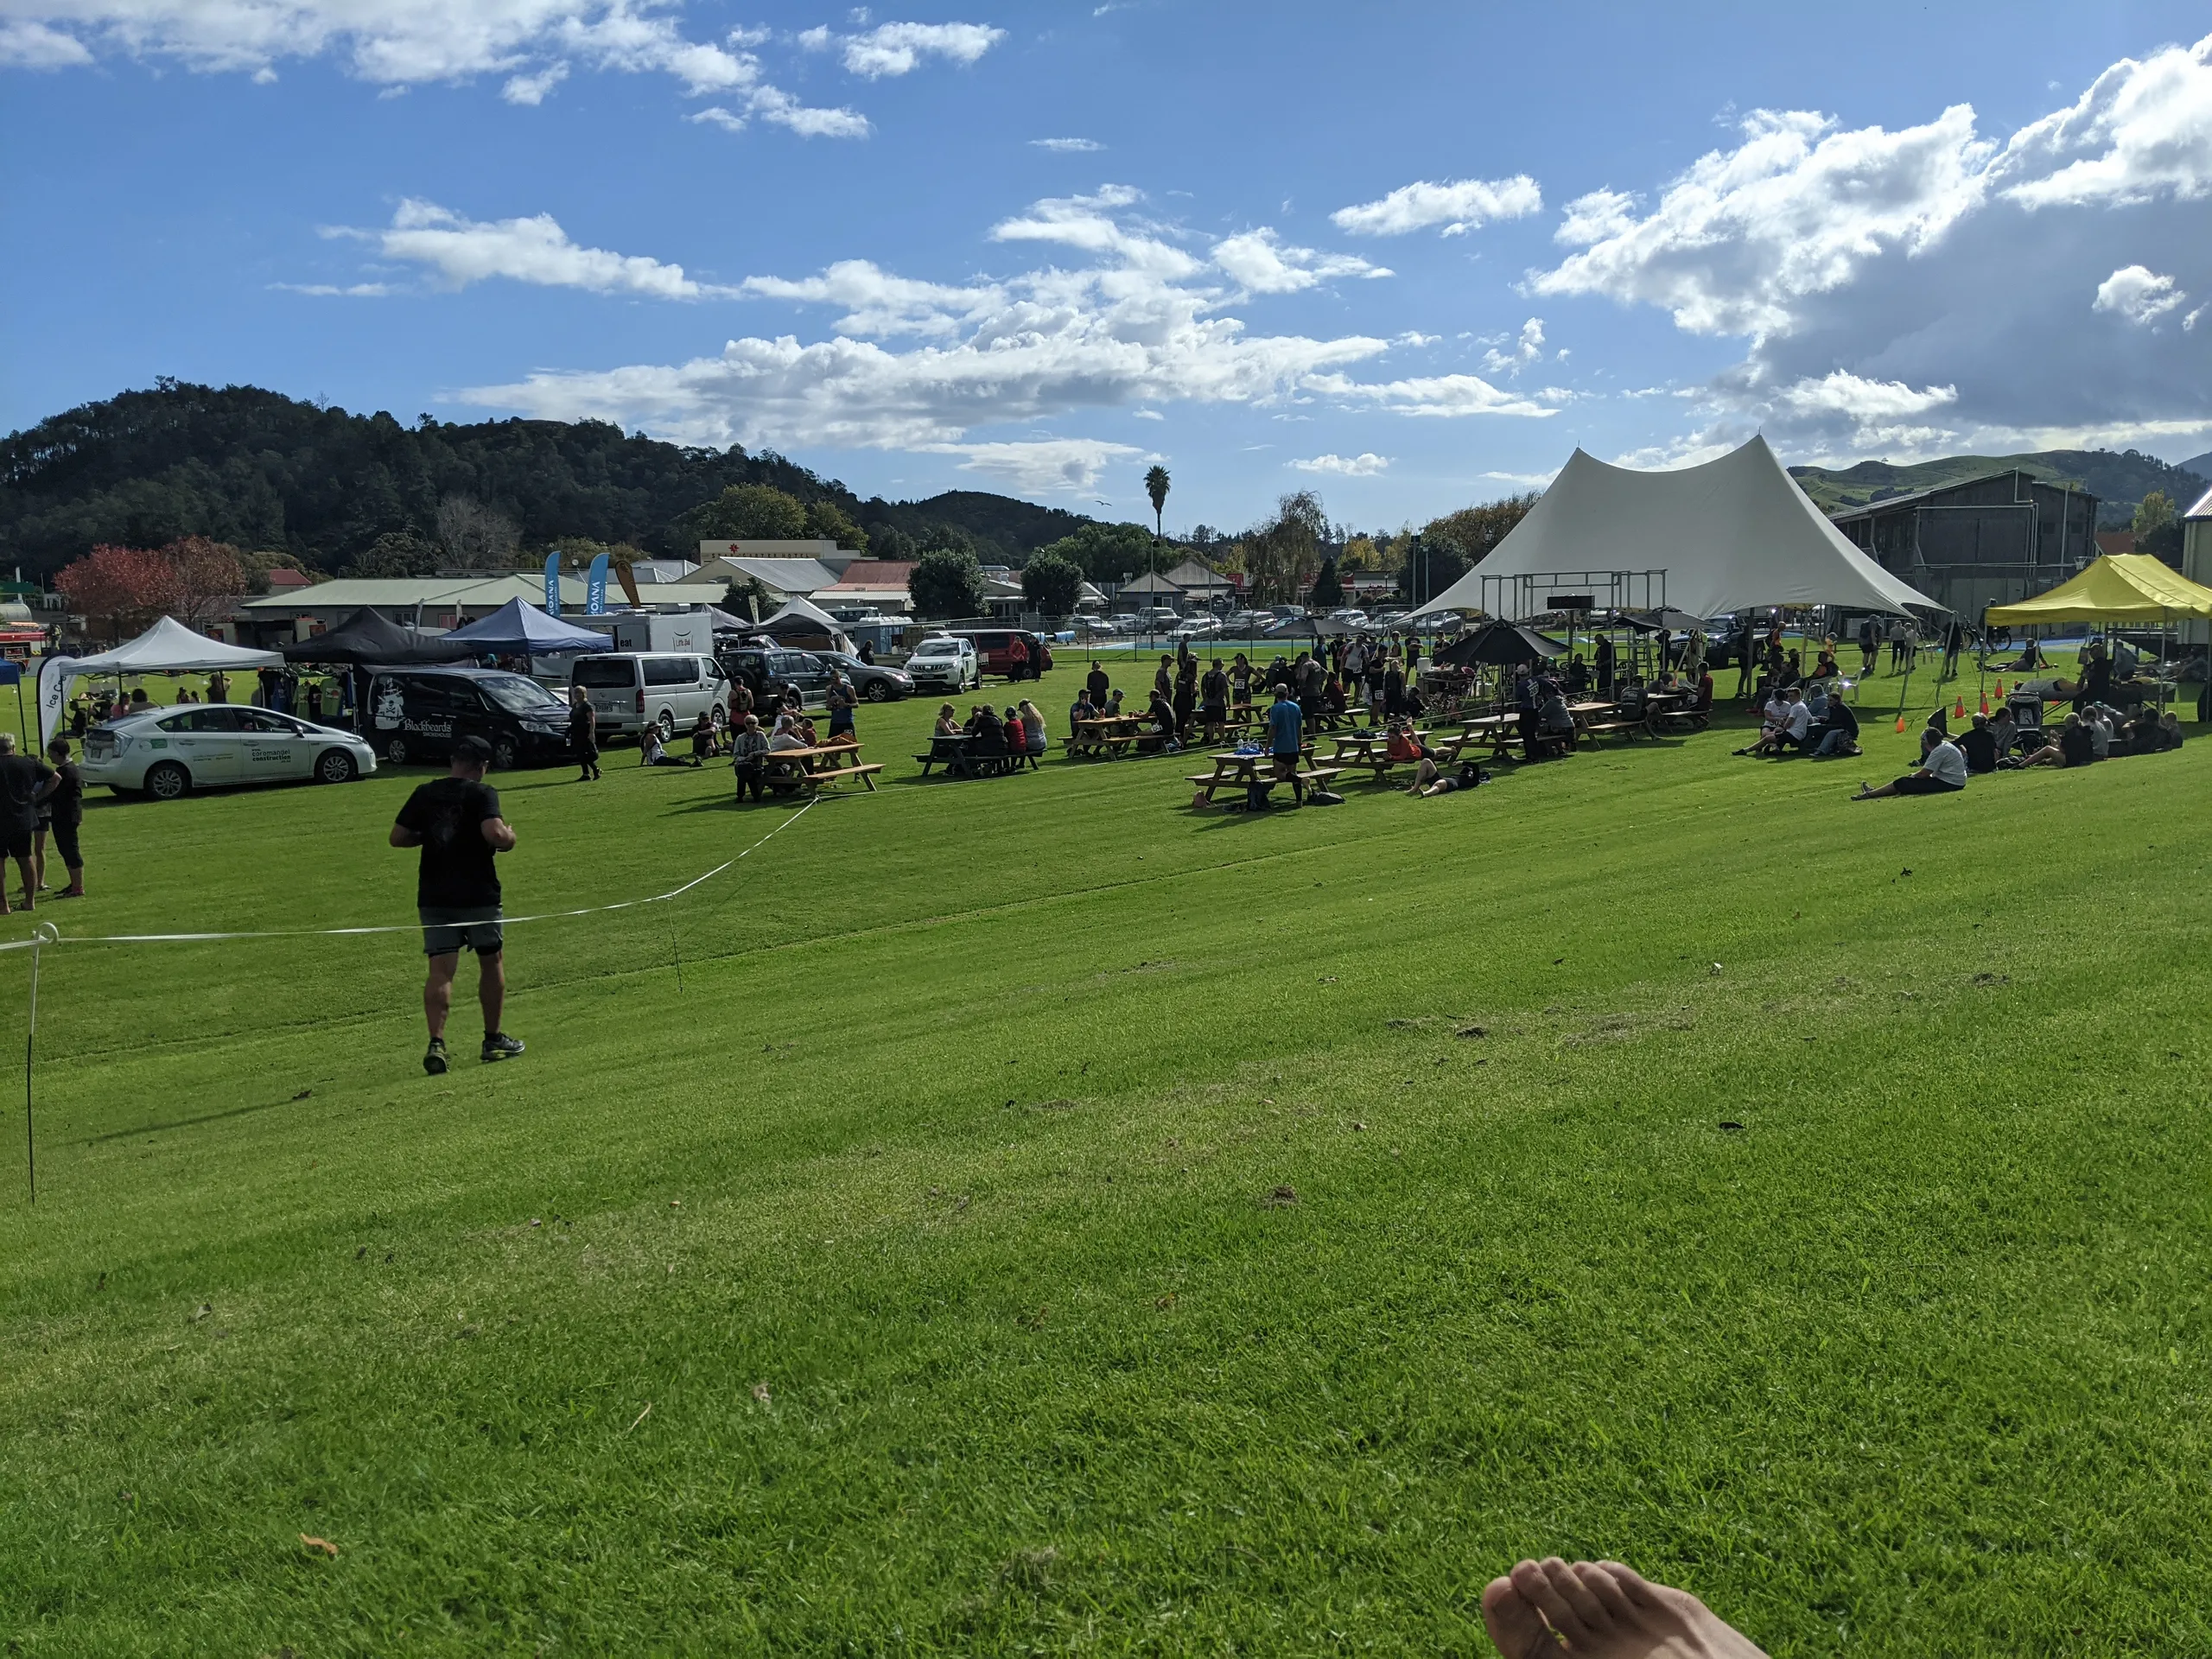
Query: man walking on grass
455	821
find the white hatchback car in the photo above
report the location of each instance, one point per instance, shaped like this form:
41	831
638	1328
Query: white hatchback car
171	752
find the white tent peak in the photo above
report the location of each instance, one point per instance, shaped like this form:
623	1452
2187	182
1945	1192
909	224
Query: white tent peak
1732	534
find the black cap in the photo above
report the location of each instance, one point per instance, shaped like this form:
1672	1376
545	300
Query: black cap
474	750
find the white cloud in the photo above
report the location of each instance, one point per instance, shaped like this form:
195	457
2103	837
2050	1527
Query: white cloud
900	49
2138	293
1136	327
394	44
1042	466
1068	146
1260	262
1366	465
1444	395
29	45
2142	130
333	290
534	250
532	89
1524	480
1794	210
876	303
1089	224
1414	337
1863	400
1458	204
1921	290
1526	349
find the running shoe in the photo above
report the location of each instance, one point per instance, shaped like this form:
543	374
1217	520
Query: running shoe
434	1058
500	1046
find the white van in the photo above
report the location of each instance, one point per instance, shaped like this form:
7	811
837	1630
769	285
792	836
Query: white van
629	688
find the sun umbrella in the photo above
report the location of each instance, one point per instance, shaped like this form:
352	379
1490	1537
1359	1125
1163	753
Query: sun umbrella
1499	645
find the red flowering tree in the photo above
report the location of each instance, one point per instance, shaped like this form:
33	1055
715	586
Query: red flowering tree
206	578
118	588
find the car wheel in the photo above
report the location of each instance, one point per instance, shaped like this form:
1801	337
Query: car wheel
667	724
169	782
878	691
335	767
720	714
395	751
505	753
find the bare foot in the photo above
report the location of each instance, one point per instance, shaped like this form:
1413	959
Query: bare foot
1602	1610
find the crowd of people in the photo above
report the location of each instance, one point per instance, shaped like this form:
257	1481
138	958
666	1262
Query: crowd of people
1340	680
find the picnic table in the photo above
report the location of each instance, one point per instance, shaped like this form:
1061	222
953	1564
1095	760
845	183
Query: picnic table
1109	736
1368	749
1498	731
1257	774
790	771
1673	706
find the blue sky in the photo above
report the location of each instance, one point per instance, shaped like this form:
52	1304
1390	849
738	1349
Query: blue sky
1408	255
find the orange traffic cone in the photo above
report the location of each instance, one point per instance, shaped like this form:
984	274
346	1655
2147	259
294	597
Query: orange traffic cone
1960	712
2000	690
1984	705
1900	722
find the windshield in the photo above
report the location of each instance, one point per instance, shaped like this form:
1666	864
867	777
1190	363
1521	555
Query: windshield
519	695
937	648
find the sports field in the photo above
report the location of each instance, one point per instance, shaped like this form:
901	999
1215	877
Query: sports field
1036	1218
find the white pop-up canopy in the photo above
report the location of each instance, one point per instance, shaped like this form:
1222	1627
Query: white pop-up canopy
167	647
798	616
1733	534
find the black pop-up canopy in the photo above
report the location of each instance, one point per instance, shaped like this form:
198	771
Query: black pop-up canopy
369	636
1499	645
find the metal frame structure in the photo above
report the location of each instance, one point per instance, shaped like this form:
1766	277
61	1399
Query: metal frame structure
1520	598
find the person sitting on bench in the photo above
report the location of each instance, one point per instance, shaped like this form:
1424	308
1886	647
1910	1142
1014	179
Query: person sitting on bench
1553	734
990	735
948	720
1942	770
1162	713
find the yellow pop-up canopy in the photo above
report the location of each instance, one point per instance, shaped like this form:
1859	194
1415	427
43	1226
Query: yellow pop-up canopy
2118	588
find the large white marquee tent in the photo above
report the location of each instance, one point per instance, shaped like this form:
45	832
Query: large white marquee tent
1733	534
167	647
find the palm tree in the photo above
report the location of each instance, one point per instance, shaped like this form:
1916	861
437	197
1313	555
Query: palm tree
1155	486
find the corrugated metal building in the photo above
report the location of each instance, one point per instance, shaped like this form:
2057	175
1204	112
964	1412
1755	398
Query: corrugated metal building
1986	541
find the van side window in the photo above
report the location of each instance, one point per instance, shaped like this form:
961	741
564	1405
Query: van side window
603	673
671	670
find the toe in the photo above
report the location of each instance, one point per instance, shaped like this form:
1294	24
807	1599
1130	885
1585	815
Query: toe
1538	1587
1516	1628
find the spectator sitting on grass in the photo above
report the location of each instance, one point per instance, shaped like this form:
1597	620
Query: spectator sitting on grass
652	752
1942	770
2099	719
2170	730
2004	730
1837	732
706	741
1774	715
1979	746
2069	745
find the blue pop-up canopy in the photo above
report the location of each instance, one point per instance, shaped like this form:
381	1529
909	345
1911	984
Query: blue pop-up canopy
520	627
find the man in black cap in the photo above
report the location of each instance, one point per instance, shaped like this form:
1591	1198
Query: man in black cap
455	821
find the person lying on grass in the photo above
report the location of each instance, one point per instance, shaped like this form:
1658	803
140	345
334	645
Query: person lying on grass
1602	1610
1942	770
1430	780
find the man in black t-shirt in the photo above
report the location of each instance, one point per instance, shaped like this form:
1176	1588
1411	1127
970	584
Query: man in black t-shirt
456	822
24	779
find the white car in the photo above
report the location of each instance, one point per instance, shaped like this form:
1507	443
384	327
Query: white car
1198	628
945	665
171	752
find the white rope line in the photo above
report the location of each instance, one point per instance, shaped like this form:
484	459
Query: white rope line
46	933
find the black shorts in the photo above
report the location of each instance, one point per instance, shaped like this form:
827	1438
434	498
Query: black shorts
16	843
445	932
1914	784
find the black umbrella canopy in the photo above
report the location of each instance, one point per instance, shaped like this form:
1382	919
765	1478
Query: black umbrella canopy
1294	626
369	636
1499	645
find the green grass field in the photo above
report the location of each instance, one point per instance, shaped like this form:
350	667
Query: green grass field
907	1273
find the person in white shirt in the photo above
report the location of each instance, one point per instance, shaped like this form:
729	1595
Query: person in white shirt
1942	772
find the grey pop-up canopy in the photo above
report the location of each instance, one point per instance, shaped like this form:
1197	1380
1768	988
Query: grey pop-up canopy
1734	534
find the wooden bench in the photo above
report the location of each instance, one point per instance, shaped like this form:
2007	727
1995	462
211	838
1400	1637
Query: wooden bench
1263	778
840	775
1607	727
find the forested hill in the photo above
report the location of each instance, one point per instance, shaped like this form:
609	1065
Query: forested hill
2119	481
268	472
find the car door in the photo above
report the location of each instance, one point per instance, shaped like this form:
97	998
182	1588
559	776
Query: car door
207	741
269	746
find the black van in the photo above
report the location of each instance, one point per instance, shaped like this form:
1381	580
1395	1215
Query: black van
416	713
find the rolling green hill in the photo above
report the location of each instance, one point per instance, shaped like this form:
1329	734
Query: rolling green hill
2117	480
